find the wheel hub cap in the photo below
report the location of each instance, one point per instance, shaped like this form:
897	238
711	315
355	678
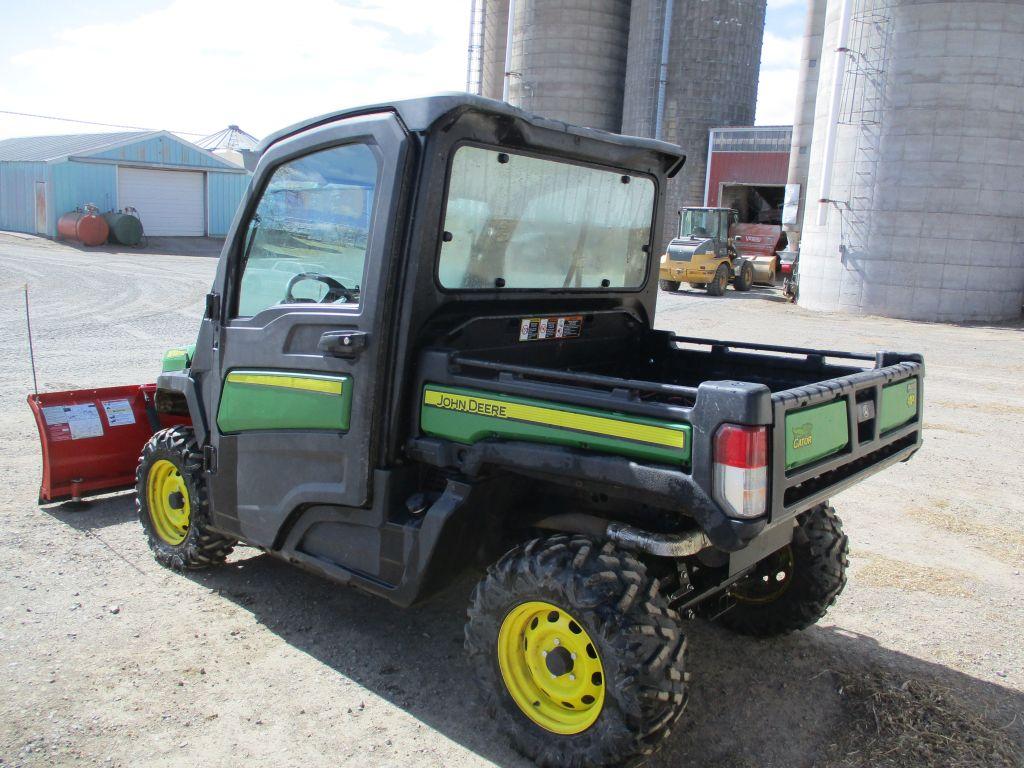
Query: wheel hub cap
551	667
168	503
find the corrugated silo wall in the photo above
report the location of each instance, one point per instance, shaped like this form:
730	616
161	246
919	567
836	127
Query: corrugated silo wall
494	39
929	218
714	58
569	60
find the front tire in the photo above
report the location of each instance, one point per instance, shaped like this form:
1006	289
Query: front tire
563	606
794	587
745	279
721	279
669	285
172	505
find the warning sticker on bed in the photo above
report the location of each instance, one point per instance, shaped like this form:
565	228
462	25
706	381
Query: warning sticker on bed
72	422
119	412
543	328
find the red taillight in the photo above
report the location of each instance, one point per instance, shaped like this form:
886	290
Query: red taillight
741	469
743	447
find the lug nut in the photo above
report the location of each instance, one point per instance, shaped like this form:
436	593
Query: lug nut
557	641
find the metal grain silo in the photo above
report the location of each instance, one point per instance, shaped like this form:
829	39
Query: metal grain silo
918	153
803	119
693	65
569	60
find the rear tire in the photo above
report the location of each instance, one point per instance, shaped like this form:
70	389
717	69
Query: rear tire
721	279
744	281
815	565
630	634
172	504
669	285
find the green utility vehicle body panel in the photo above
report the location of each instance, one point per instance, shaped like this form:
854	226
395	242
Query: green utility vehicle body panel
178	359
899	404
262	400
814	433
468	416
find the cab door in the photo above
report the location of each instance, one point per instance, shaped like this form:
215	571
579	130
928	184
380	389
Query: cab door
293	390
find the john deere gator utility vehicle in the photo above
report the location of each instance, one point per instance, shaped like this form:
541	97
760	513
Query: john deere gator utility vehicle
429	346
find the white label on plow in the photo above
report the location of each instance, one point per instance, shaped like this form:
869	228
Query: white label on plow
83	421
119	412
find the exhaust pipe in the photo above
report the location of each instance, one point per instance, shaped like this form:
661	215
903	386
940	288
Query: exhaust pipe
629	537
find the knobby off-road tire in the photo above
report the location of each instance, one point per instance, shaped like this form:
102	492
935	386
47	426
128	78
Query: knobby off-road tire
184	543
719	282
669	285
744	281
816	562
638	639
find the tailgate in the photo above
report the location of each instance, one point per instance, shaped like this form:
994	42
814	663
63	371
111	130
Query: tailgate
830	435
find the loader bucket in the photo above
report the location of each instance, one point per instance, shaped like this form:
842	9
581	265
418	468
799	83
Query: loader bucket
91	438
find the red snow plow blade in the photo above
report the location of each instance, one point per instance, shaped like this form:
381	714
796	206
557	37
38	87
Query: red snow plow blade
91	438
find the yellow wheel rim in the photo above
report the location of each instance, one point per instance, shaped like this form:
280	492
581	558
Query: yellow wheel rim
551	667
167	500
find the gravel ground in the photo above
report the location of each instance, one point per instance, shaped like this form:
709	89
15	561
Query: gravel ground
111	660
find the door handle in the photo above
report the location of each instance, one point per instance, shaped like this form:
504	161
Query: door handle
347	344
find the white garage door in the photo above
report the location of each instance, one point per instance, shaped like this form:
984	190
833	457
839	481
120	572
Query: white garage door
169	202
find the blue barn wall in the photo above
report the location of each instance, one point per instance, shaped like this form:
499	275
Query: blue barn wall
75	184
92	178
18	195
224	193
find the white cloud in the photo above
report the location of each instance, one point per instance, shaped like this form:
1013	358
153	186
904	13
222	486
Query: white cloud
198	64
780	70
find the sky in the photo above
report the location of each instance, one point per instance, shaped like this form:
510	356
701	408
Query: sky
196	66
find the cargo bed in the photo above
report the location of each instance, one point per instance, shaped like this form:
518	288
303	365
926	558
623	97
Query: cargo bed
835	417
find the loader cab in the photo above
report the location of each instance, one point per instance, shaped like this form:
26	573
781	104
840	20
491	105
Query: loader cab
698	224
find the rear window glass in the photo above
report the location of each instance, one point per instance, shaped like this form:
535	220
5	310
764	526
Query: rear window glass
517	221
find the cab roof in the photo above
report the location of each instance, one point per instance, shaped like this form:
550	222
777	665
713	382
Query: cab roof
421	114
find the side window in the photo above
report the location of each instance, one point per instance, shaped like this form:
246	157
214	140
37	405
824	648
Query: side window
306	241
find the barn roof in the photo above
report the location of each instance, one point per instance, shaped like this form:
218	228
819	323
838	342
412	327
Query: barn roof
41	148
158	148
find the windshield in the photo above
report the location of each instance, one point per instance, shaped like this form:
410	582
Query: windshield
699	223
525	222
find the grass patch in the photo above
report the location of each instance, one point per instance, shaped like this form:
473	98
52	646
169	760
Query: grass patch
894	722
881	571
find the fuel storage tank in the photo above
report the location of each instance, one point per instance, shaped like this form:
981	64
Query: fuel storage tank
693	65
569	60
918	153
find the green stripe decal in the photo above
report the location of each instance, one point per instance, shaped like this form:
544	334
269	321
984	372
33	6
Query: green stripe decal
814	433
899	404
467	416
254	400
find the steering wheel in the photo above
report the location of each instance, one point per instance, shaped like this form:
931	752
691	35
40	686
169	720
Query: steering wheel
335	290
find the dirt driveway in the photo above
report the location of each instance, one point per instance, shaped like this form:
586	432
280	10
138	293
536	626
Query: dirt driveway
111	660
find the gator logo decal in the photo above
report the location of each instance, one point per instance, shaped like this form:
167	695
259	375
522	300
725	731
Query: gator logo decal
803	436
912	394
